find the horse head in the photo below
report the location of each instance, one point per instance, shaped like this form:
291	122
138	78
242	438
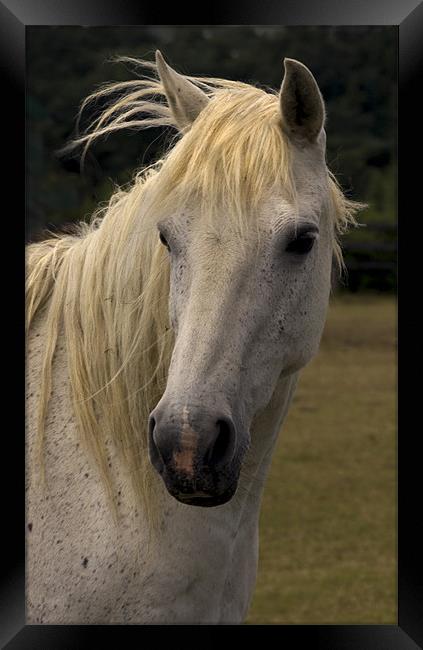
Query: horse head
250	257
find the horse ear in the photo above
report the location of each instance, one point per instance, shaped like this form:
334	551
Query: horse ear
186	101
302	106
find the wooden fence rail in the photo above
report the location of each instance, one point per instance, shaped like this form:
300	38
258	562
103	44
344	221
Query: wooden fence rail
370	256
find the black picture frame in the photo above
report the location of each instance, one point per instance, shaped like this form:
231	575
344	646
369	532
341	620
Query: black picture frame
15	17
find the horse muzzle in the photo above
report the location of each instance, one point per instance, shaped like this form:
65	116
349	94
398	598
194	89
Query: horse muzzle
196	452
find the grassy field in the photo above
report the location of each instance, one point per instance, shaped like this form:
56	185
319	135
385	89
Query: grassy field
328	521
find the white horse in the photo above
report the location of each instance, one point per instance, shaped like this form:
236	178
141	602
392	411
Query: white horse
165	343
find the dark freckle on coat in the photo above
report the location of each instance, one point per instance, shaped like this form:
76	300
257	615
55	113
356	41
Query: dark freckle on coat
86	474
85	562
29	527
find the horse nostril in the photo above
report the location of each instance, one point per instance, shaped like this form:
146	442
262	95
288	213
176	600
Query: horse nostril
154	451
151	428
151	425
224	443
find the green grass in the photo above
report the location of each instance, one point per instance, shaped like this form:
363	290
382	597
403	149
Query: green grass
328	520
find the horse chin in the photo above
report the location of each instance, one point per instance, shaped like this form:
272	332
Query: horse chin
203	499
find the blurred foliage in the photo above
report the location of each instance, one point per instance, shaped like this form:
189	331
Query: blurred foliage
356	68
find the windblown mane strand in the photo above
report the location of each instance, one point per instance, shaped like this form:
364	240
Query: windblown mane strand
113	275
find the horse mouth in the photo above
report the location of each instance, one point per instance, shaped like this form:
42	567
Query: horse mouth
203	499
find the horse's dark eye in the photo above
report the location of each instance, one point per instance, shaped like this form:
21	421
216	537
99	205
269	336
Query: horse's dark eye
164	241
301	245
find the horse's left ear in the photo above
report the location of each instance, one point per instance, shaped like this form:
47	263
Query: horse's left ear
302	106
185	100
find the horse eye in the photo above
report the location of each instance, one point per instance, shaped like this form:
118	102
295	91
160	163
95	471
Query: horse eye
164	241
301	245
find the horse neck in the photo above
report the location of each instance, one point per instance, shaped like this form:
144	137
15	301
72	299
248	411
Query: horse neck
265	429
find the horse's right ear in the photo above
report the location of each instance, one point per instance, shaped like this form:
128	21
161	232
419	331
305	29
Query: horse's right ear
185	100
302	107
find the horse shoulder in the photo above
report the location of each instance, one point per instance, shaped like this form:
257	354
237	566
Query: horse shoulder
79	560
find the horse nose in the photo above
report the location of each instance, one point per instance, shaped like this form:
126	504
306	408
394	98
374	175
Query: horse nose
190	440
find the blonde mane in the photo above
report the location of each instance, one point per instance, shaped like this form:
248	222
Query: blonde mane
106	286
